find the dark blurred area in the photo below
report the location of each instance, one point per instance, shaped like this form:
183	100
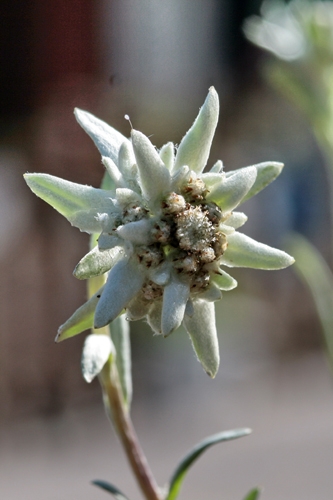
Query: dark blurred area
155	61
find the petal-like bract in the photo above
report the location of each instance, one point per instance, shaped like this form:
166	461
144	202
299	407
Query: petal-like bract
154	176
243	251
223	280
167	155
124	282
175	296
138	232
79	204
107	139
267	172
231	190
236	220
202	331
97	262
194	148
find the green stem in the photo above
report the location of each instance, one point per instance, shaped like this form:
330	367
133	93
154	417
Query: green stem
121	419
327	151
119	415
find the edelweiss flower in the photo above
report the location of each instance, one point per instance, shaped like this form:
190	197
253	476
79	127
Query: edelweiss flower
165	229
279	30
299	30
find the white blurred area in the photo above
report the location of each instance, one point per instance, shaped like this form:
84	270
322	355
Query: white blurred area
156	62
164	56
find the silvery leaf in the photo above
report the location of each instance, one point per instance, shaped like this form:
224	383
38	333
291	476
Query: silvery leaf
78	203
107	139
243	251
194	148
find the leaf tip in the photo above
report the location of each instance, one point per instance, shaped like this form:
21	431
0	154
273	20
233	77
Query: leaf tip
211	374
88	377
58	337
28	177
78	113
247	431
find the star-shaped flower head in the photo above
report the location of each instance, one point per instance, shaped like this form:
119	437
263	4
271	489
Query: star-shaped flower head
165	230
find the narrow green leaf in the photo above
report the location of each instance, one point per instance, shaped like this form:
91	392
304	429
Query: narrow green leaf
314	271
120	334
253	494
81	320
179	474
117	494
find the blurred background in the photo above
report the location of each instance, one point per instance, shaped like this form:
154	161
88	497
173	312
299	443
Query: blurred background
154	61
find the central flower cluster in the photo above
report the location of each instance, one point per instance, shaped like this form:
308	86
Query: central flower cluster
185	237
187	233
